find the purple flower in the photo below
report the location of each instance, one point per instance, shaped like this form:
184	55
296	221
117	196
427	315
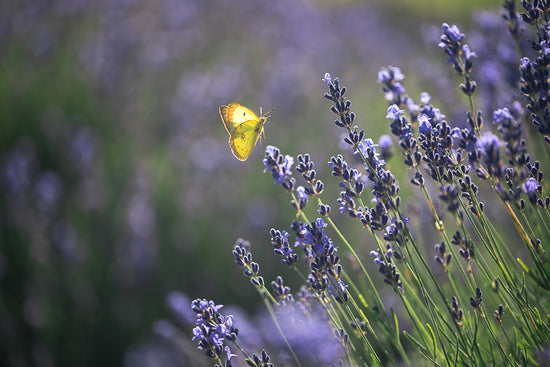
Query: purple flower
455	132
179	305
47	190
385	142
390	78
212	328
394	112
517	108
468	53
280	167
413	107
451	34
500	115
424	127
437	115
459	55
281	247
164	329
386	267
488	141
228	353
530	186
221	330
398	90
384	76
425	98
340	294
301	192
230	321
316	237
327	78
367	146
489	145
197	333
397	74
391	232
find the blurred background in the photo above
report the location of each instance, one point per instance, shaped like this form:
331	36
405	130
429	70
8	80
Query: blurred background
117	183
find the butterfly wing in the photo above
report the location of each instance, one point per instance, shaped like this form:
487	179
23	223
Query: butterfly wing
225	119
243	138
234	114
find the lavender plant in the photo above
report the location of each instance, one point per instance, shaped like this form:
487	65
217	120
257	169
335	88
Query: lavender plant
466	175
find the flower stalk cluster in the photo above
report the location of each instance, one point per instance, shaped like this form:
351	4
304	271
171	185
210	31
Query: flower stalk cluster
213	329
453	165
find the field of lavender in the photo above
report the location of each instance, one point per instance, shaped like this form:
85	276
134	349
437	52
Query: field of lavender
408	228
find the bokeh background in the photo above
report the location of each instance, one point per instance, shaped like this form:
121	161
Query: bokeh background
117	183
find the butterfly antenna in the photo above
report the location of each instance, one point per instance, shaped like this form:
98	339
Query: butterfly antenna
264	116
267	113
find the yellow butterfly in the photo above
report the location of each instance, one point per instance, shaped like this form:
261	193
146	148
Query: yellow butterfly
244	128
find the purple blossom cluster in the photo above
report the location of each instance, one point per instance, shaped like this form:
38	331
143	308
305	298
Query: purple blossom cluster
476	302
534	75
213	329
243	259
325	276
451	157
442	257
280	167
385	189
387	267
459	55
458	314
279	240
324	266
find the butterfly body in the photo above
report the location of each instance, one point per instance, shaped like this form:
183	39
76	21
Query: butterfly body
244	128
